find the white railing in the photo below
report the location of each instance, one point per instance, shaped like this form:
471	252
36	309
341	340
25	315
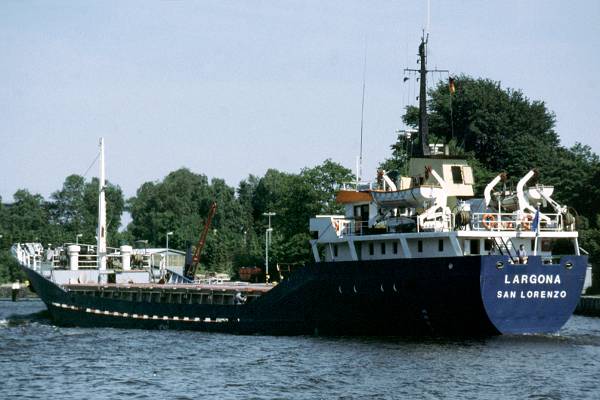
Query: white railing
34	256
30	255
512	222
353	228
358	186
479	222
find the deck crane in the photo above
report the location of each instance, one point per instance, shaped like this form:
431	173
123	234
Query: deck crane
190	269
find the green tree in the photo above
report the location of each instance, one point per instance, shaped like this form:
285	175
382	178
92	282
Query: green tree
325	180
27	218
180	203
295	201
75	209
502	128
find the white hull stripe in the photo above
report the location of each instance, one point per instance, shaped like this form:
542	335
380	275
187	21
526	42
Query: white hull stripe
138	316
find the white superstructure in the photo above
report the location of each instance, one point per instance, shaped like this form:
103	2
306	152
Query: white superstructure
432	213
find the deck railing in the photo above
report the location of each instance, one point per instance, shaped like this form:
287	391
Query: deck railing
512	222
479	222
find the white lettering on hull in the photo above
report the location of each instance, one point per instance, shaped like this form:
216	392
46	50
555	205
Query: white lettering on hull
543	294
507	294
532	294
540	279
532	279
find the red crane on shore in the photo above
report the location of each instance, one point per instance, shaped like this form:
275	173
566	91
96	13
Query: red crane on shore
190	270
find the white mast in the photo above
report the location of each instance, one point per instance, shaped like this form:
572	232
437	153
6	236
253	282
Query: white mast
101	234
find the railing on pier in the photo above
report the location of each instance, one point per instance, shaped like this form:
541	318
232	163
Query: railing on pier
35	257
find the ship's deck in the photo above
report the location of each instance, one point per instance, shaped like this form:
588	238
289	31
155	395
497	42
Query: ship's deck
200	293
258	288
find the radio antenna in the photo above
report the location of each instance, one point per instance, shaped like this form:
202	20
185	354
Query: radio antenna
362	116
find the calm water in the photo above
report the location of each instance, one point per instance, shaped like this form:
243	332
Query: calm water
39	360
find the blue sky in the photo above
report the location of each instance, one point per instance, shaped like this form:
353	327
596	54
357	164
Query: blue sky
229	88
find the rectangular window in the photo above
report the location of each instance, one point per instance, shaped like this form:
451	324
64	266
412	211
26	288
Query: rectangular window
441	245
546	245
420	246
475	246
488	244
457	176
364	212
371	249
395	247
383	248
335	250
532	244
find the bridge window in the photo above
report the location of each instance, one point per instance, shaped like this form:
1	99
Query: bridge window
395	247
475	249
420	246
383	248
371	249
335	250
546	245
488	245
441	245
457	176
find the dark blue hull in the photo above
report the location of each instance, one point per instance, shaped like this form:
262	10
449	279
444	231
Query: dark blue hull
472	296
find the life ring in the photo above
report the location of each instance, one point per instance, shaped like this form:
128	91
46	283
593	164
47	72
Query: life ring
526	222
489	221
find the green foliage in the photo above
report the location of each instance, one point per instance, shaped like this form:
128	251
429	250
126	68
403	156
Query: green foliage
590	241
401	151
71	210
325	180
75	209
27	218
9	268
502	128
181	201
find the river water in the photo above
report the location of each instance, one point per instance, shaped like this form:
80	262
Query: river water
40	361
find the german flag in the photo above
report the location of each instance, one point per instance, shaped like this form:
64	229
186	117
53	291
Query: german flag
451	85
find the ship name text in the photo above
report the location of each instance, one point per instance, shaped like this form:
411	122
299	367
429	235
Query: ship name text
531	294
532	279
552	279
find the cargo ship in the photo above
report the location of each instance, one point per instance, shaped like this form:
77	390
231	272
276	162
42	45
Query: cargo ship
411	255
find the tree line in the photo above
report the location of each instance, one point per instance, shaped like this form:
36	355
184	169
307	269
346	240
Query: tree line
497	129
179	203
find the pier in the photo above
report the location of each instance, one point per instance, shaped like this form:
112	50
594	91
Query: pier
24	292
589	306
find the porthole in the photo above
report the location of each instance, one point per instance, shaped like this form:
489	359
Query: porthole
568	265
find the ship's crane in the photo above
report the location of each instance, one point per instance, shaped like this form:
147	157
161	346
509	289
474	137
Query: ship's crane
190	269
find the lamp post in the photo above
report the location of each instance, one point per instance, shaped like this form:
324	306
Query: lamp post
77	237
268	235
167	256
